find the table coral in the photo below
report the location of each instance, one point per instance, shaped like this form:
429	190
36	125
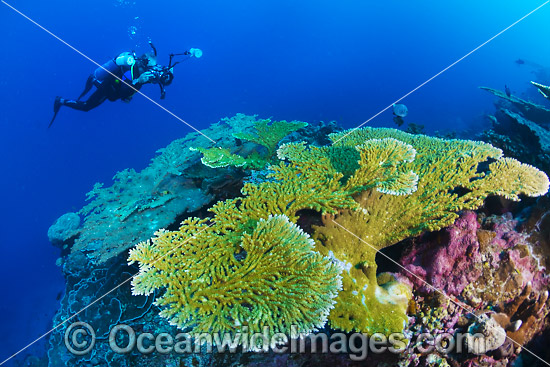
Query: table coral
269	133
450	179
264	282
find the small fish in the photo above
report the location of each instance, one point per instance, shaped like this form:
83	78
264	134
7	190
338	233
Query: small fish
507	90
520	62
400	110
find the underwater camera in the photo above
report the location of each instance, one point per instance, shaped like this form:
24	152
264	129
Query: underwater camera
164	75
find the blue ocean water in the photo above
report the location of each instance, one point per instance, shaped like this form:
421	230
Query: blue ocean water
307	60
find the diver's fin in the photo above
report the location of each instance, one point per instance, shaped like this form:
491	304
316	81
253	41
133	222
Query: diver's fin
53	118
56	107
89	85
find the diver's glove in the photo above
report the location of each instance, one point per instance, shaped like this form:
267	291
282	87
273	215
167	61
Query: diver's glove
146	77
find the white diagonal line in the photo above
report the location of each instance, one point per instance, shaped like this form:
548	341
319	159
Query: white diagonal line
98	65
100	298
442	71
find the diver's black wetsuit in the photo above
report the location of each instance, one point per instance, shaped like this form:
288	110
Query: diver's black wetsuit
97	98
110	88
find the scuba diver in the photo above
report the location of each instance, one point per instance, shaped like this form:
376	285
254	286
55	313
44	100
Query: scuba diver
121	77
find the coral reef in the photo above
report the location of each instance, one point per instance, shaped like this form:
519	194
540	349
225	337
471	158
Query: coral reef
174	184
310	181
94	256
296	244
449	180
325	179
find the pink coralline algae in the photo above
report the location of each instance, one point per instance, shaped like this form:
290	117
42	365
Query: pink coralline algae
484	267
514	249
447	259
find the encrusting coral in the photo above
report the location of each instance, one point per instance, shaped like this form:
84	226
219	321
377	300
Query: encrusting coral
382	185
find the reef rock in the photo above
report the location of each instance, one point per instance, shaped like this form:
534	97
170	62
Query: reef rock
531	111
521	129
484	336
65	228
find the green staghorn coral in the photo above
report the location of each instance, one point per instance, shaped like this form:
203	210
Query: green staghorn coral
262	280
266	133
374	188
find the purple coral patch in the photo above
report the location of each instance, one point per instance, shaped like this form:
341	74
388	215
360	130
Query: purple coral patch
447	259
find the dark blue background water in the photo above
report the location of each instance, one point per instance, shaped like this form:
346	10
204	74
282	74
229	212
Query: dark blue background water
305	60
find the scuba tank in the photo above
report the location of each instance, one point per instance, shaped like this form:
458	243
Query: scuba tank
125	59
105	70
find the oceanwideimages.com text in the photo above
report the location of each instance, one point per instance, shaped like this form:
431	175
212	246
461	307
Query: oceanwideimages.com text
80	340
